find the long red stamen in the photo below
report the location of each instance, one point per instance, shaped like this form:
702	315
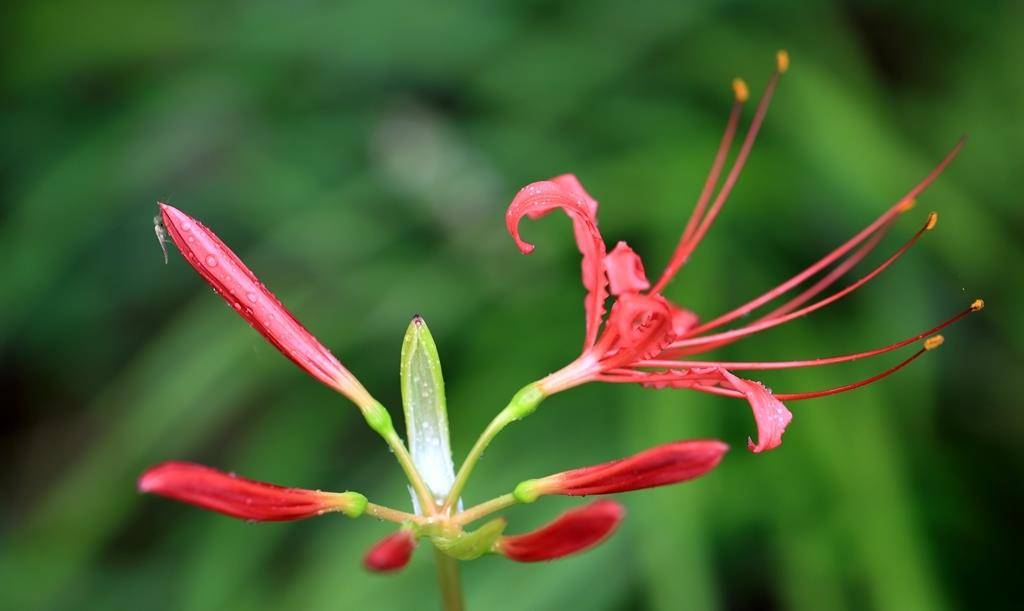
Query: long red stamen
684	250
767	324
740	89
846	358
901	205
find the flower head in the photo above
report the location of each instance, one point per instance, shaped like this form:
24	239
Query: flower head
391	553
647	339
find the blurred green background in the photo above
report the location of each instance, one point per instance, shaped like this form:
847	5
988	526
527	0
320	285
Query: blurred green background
359	156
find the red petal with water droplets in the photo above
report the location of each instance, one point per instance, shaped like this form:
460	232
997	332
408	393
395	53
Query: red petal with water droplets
625	270
572	532
565	193
237	496
771	415
234	282
659	466
390	553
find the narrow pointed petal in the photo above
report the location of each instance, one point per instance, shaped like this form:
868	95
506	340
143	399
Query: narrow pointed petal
564	193
243	291
666	464
574	531
770	414
391	553
239	497
625	270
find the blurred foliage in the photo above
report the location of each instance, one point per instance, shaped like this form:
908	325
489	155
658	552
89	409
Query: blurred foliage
359	156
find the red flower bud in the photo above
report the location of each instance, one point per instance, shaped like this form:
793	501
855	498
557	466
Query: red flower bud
659	466
233	281
238	497
390	553
573	531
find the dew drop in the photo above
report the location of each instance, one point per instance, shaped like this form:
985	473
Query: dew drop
186	226
251	296
211	260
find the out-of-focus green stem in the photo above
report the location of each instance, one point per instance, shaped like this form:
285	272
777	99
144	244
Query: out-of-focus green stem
391	515
448	579
523	403
484	509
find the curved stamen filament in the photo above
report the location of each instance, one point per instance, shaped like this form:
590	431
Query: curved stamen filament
767	324
709	185
846	358
902	205
687	246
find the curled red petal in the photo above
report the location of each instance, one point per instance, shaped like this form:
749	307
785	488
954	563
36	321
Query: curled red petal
625	270
237	285
565	193
659	466
572	532
238	497
390	553
683	320
770	414
639	327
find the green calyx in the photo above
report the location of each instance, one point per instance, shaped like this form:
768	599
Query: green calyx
472	545
353	505
527	491
378	418
524	402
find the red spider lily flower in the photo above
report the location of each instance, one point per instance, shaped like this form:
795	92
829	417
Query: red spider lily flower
647	339
574	531
239	497
391	553
238	286
666	464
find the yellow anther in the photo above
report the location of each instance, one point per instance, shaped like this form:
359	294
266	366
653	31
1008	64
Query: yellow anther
739	87
933	342
782	61
907	205
977	305
933	218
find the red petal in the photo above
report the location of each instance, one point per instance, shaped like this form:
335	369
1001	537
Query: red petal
236	496
234	282
573	531
564	192
659	466
625	270
390	553
771	415
639	327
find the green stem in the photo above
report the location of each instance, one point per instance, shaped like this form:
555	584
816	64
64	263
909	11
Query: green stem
427	501
392	515
448	579
484	509
523	403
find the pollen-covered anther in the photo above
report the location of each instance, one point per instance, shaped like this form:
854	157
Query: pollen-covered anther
739	88
933	342
977	305
933	219
782	61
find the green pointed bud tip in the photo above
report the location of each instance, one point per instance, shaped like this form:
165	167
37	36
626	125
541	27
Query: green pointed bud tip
525	402
527	491
354	504
472	545
378	418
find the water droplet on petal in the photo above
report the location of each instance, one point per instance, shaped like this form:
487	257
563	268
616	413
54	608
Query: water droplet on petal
251	296
211	260
186	226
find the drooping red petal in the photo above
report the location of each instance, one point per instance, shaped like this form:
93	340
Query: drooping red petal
659	466
574	531
565	193
625	270
238	286
239	497
770	414
390	553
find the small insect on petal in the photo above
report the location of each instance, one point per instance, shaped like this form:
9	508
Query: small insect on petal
244	498
574	531
390	553
671	463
